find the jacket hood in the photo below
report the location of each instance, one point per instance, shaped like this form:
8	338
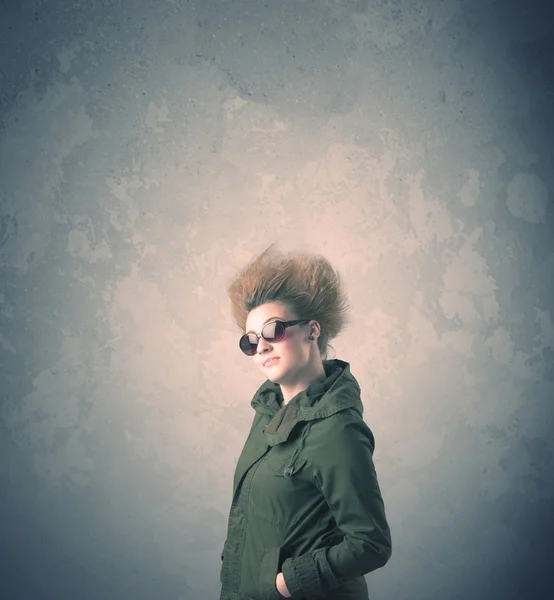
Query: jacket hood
339	391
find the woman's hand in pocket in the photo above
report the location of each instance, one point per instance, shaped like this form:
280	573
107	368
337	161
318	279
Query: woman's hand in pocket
282	586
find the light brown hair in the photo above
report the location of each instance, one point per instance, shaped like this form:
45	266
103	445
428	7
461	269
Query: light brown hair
306	283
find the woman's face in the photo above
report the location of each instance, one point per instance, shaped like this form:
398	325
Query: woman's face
292	353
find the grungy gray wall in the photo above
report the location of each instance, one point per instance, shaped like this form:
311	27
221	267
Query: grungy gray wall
148	150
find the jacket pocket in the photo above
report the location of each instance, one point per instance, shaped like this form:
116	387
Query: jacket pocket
264	587
269	568
285	465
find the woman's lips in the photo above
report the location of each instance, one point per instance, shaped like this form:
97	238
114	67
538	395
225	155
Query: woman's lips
270	361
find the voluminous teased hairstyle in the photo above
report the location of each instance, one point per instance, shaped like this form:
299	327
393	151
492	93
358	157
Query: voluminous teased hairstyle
306	283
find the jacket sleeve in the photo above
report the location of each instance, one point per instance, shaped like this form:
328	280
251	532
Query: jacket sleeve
345	474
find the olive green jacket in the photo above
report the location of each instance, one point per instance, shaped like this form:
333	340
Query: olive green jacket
306	501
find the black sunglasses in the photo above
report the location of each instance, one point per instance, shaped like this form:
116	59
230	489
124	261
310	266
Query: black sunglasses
271	332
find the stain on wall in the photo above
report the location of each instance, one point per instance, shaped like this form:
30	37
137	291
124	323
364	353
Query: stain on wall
147	152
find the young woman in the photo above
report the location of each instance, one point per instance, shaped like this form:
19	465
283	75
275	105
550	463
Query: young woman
307	520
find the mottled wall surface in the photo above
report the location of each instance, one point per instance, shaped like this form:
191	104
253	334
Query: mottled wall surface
147	151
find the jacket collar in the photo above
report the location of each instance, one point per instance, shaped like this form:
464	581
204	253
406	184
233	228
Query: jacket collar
339	391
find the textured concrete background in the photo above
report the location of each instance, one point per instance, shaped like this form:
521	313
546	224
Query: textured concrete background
147	151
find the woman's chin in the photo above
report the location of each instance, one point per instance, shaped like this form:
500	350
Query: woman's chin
271	375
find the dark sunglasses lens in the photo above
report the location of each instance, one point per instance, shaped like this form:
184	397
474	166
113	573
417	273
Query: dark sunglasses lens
247	345
272	332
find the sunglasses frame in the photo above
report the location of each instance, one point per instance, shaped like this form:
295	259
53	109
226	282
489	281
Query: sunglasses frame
285	325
